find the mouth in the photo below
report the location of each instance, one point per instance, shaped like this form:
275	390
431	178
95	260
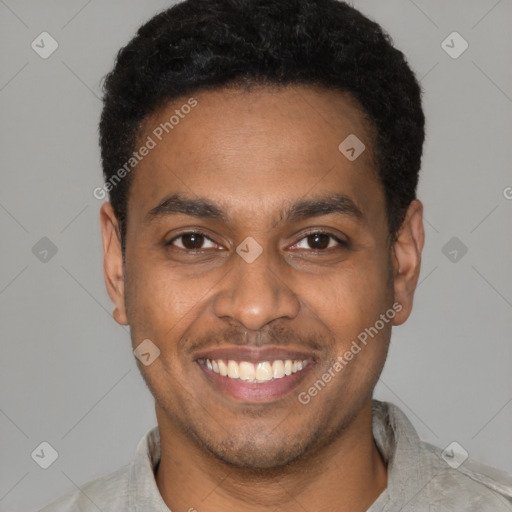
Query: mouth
254	376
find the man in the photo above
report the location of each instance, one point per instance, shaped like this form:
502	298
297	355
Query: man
262	238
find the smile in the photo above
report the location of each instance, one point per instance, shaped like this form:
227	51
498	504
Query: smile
260	372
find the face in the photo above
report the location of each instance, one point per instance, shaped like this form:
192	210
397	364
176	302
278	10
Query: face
256	248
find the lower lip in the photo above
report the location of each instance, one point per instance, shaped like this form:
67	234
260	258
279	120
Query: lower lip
255	392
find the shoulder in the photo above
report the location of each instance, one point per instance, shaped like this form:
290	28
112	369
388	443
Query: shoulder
421	474
107	493
131	487
459	481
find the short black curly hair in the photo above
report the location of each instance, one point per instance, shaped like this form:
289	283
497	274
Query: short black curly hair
210	44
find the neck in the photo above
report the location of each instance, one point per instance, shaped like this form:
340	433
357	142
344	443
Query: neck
347	475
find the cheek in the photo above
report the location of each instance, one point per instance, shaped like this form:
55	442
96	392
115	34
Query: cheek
351	298
161	301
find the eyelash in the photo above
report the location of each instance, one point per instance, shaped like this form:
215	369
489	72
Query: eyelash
341	243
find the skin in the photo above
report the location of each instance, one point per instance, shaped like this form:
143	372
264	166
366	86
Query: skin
254	153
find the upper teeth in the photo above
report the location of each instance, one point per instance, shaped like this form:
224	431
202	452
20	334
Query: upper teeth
259	372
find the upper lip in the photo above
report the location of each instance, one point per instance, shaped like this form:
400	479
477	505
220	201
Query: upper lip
254	354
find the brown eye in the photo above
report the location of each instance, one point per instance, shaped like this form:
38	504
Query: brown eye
192	242
318	241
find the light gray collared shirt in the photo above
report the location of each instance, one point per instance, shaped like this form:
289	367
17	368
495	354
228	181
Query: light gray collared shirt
419	478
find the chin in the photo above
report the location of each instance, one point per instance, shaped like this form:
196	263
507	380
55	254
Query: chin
256	455
257	461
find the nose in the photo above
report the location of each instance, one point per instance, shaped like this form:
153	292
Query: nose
254	295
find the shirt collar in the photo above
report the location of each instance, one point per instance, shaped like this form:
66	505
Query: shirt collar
394	435
143	493
408	470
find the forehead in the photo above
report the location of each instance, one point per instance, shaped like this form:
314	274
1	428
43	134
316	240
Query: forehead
255	149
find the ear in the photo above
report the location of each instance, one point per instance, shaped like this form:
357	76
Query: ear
407	259
113	261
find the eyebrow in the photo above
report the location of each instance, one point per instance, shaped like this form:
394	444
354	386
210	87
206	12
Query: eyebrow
203	208
175	204
334	204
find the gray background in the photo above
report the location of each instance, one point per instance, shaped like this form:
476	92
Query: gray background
68	375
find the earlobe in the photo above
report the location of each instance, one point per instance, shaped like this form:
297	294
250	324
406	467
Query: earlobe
113	262
119	316
407	259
